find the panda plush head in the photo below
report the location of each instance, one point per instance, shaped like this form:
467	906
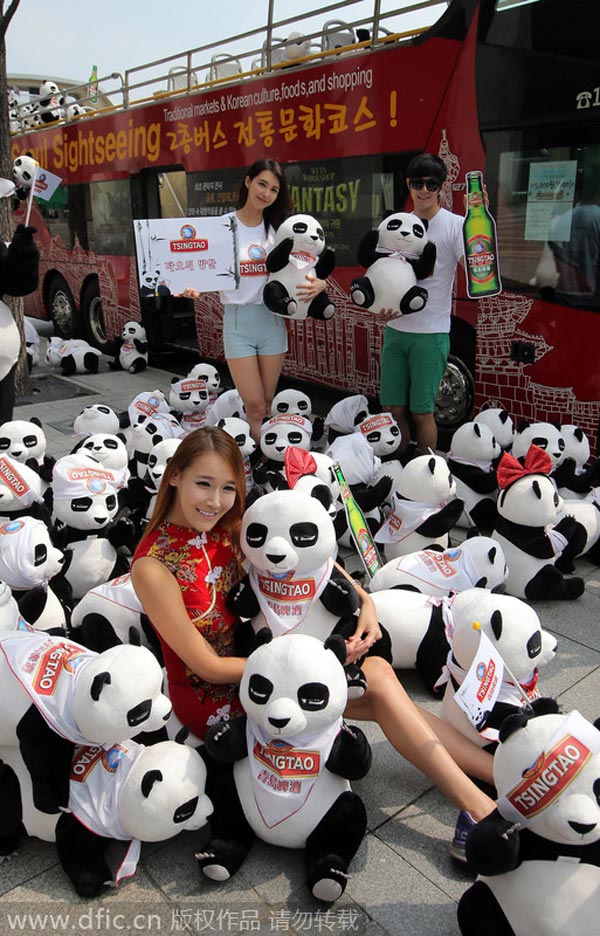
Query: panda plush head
291	401
163	793
402	233
49	89
577	444
147	404
382	433
188	395
547	774
24	171
118	693
305	231
23	439
345	415
356	457
148	431
545	435
133	331
239	430
296	46
208	374
512	626
501	424
158	459
475	442
27	555
227	404
532	501
287	532
97	418
279	432
20	486
294	686
84	492
106	448
426	478
488	561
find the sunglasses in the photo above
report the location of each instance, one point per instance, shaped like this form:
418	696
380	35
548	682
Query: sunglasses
430	184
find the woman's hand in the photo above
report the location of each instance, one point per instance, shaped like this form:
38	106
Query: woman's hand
367	630
388	314
310	289
189	293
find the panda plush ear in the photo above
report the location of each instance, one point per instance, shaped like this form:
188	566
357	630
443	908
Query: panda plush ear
36	421
542	706
148	780
535	487
100	681
262	636
473	531
323	494
523	425
431	465
182	735
496	623
337	644
477	430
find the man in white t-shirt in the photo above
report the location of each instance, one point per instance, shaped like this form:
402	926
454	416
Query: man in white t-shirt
416	347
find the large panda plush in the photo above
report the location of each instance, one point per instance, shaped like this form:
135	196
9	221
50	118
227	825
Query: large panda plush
514	630
147	432
528	530
209	375
472	459
281	772
382	432
23	174
55	694
97	418
110	450
544	435
396	255
147	404
129	350
50	103
124	792
424	508
72	356
577	475
189	400
299	253
25	441
33	568
538	854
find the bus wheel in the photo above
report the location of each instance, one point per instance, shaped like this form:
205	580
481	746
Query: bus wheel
455	399
93	320
62	309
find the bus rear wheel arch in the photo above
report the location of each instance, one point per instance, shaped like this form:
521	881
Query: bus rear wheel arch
93	318
62	310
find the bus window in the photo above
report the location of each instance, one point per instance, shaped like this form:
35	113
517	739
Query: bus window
56	214
111	217
172	194
213	193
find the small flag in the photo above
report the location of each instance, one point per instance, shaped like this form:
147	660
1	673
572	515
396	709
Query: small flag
93	85
479	690
45	184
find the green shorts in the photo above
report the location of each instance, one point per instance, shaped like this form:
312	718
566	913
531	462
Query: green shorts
412	366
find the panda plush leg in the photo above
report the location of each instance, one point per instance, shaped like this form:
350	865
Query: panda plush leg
81	855
413	300
11	812
68	365
478	904
433	651
138	365
232	837
95	632
332	844
90	362
549	583
484	516
278	300
321	307
362	292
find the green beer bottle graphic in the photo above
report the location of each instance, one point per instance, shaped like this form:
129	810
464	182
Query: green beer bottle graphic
359	530
479	238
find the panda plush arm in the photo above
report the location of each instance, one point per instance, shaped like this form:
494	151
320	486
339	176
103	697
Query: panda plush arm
47	757
242	601
368	497
423	265
351	754
225	742
19	263
482	482
443	521
493	846
279	257
367	249
141	346
31	602
339	597
325	264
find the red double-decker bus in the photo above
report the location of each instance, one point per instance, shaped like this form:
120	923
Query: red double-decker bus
508	87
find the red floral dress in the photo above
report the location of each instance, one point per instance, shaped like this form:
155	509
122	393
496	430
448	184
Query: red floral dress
199	704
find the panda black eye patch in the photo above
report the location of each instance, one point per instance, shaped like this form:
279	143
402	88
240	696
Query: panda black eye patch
110	443
270	438
40	554
299	227
304	534
4	442
294	438
313	697
184	396
81	504
30	440
111	502
373	437
240	439
256	535
394	225
259	689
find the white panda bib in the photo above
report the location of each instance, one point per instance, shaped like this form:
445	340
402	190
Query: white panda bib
10	340
120	593
405	517
45	666
451	570
302	261
191	421
285	602
95	783
283	776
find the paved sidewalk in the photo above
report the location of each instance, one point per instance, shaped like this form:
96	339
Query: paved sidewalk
402	881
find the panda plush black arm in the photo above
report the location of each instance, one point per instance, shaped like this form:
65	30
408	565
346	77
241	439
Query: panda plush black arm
241	599
325	264
423	265
351	754
493	846
368	497
482	482
225	742
19	263
31	602
339	597
47	757
367	249
141	346
443	521
278	258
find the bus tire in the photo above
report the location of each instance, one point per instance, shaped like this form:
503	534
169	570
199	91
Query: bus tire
62	310
455	400
93	320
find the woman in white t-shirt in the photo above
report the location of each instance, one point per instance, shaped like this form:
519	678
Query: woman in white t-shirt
255	341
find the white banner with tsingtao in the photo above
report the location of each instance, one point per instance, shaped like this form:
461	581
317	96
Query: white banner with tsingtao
176	253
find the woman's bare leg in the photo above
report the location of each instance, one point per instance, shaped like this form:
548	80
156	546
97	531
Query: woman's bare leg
270	366
246	375
408	728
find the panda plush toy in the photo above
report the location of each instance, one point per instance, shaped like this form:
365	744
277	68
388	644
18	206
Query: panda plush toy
577	476
98	418
529	532
51	100
140	496
345	415
124	792
544	435
189	400
72	356
55	694
23	174
295	401
277	434
25	441
537	855
85	502
147	404
209	375
227	404
501	424
281	773
424	508
147	432
21	492
239	430
129	350
299	254
478	562
382	432
33	567
514	630
361	468
396	255
472	459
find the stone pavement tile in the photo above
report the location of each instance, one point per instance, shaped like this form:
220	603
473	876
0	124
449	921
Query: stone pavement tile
578	620
572	664
34	858
584	696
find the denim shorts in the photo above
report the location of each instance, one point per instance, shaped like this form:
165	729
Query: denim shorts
249	330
